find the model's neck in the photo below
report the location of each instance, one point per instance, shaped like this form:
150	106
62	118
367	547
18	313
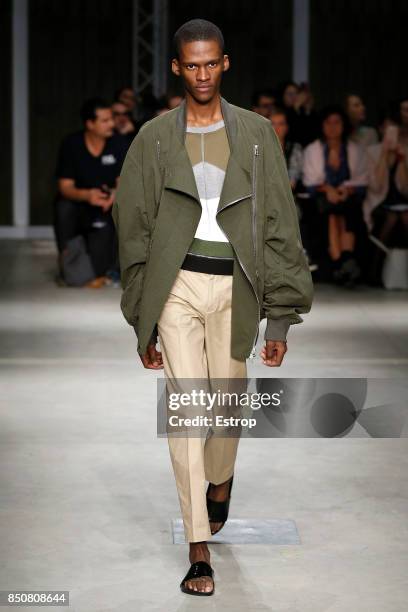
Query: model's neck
201	115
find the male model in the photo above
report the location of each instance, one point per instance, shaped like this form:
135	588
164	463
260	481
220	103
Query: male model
209	245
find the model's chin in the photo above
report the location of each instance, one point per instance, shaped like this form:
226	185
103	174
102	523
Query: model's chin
204	95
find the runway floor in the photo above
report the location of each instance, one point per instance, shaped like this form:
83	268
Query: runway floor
88	493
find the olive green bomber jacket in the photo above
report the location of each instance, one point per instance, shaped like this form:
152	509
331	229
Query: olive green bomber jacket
157	210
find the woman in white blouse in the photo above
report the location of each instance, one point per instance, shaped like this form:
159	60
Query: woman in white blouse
335	173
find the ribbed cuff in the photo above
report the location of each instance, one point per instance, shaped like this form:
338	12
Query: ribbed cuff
153	337
277	329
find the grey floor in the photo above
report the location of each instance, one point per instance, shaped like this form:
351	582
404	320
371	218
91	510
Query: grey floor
87	490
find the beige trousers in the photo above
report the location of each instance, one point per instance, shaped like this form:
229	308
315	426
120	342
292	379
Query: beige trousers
195	333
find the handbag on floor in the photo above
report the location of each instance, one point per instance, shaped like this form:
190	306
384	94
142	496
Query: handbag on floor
395	269
76	264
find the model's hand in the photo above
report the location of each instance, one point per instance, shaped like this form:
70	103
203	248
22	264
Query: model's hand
273	352
152	359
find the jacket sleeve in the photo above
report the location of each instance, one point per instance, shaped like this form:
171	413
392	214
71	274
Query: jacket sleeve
288	285
133	231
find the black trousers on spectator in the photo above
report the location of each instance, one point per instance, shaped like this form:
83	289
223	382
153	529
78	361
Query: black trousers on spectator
96	226
314	230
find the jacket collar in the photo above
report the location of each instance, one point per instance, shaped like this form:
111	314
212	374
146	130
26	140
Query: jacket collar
237	182
228	115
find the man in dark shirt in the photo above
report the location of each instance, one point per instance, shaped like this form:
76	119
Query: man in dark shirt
88	169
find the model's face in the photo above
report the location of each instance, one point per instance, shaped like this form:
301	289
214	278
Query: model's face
201	65
404	112
103	124
280	125
356	109
333	127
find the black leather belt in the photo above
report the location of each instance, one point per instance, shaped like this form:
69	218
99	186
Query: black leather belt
209	265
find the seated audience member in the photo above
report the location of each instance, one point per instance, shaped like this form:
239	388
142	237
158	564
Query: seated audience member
123	124
386	203
402	120
173	101
122	121
294	161
292	150
88	168
134	105
303	121
166	103
127	96
263	102
356	112
335	173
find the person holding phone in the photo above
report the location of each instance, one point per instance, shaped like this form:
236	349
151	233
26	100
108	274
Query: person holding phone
361	133
386	203
298	102
88	167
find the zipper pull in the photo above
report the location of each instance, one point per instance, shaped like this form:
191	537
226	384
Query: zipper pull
158	150
256	149
253	352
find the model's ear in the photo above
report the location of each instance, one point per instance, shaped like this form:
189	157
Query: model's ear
175	67
226	63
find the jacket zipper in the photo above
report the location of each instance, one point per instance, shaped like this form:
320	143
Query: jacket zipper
158	160
254	235
252	354
255	155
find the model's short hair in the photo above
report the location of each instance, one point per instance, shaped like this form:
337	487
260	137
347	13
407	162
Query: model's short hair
197	29
89	108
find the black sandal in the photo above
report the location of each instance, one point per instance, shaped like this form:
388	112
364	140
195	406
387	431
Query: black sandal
197	570
218	510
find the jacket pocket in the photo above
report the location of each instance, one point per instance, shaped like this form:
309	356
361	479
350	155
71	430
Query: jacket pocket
272	246
270	225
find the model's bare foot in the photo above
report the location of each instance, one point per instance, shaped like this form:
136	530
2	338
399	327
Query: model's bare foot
199	552
218	492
